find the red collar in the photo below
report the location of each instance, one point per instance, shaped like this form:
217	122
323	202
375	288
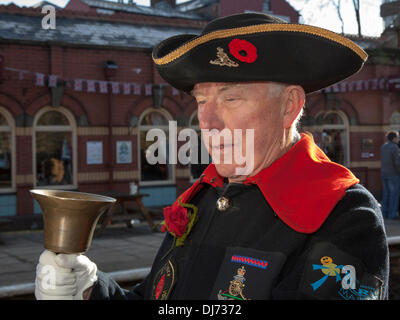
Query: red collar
302	187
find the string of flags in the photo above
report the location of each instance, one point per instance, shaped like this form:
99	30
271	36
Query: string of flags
90	85
358	85
127	88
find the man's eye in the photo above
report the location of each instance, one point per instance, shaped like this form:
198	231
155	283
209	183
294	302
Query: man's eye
231	99
201	102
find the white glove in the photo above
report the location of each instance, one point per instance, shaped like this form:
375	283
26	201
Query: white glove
63	276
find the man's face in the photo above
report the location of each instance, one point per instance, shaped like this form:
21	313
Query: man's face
229	106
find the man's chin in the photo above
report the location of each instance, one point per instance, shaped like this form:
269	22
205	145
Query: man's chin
227	170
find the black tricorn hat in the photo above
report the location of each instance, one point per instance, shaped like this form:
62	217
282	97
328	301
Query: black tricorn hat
252	47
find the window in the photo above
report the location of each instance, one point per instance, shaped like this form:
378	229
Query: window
159	172
7	151
266	6
329	119
389	20
54	148
197	169
333	135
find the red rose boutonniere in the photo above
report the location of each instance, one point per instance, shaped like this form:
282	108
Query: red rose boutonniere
179	221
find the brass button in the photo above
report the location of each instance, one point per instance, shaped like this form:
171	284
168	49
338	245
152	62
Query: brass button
223	203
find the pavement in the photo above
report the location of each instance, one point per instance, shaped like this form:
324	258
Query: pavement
126	253
392	228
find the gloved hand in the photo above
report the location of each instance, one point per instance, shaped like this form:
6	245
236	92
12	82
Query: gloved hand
63	276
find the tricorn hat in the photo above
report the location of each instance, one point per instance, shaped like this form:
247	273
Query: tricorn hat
252	47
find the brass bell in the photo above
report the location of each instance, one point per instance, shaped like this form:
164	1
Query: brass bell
223	203
70	218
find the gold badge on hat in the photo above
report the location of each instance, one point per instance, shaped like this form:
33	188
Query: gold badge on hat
223	59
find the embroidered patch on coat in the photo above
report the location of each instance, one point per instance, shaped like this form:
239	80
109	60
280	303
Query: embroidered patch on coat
331	273
236	286
328	269
164	281
247	274
250	261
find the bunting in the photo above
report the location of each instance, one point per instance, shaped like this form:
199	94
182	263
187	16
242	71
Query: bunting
52	81
358	85
148	87
129	88
39	79
115	87
137	89
103	86
175	91
91	85
126	88
78	84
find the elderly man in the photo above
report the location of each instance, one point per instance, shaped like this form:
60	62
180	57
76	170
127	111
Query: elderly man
296	225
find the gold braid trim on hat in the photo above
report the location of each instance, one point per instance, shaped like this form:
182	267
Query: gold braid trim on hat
270	27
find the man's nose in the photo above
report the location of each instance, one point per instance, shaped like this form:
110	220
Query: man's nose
210	117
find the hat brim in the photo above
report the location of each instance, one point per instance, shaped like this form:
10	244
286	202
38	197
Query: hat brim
311	57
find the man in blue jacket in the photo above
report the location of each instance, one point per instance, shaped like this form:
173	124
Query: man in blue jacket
390	171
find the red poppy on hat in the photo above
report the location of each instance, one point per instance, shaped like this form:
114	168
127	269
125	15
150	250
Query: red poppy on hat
243	50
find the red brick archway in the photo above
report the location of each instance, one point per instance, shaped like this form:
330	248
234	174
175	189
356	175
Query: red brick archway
11	104
68	101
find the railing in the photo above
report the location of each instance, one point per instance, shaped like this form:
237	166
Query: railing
119	276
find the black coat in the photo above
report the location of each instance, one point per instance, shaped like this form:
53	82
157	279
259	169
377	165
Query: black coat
248	252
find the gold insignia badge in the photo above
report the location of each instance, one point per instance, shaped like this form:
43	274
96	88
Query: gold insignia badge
236	286
223	59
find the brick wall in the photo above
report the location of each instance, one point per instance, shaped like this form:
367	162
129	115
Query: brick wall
283	8
228	7
278	7
369	115
21	97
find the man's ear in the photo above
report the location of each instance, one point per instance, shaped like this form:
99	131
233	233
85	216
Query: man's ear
295	99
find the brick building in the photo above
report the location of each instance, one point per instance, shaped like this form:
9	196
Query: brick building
349	120
390	12
77	100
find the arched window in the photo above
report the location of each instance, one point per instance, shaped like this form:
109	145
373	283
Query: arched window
7	151
54	148
197	169
332	135
154	173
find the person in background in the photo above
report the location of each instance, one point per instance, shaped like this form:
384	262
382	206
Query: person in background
390	172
